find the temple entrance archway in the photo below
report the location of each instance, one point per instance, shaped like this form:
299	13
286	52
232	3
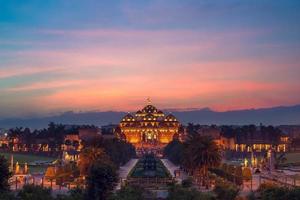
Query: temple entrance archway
150	137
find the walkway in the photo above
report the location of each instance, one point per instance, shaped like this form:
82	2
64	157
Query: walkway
171	167
274	177
124	171
249	186
283	179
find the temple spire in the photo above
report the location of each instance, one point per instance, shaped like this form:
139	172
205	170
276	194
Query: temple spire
148	100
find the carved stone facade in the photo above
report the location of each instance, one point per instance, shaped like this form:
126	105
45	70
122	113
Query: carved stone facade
148	127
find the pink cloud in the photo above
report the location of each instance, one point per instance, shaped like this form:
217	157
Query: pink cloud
23	71
45	85
107	94
118	69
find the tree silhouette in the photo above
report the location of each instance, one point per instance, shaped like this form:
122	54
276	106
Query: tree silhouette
4	174
201	153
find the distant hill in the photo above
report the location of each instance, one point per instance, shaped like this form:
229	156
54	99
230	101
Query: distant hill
284	115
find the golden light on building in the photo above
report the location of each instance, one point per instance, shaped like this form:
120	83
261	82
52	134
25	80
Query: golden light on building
17	168
245	162
148	127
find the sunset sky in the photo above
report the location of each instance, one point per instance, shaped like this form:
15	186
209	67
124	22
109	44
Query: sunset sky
58	56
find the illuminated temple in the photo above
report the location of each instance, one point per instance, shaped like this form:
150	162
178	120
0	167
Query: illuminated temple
148	127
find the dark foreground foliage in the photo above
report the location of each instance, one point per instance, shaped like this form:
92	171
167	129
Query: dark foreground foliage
174	152
129	193
33	192
270	192
101	180
4	175
178	192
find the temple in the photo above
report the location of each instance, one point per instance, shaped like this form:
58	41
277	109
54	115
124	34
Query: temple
148	128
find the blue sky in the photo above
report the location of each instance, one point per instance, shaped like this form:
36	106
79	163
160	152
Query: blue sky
111	55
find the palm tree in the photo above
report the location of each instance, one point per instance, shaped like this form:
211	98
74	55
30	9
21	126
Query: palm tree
201	153
88	156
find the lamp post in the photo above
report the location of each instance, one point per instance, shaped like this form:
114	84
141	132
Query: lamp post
251	186
270	157
16	182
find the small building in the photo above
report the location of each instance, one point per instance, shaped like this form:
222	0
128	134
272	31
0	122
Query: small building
41	144
15	143
257	140
70	155
71	142
227	142
71	147
4	141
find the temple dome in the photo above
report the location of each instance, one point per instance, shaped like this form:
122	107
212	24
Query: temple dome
170	117
139	112
149	109
149	117
128	117
160	113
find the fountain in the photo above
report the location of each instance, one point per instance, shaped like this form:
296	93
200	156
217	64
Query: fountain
150	172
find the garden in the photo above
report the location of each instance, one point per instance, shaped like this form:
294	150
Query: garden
149	167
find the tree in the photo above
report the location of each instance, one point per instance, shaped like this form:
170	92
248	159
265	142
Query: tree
7	196
100	171
201	153
88	156
187	183
251	196
66	173
173	151
128	193
4	175
247	174
269	191
73	194
177	192
101	180
34	192
294	194
192	129
226	190
119	151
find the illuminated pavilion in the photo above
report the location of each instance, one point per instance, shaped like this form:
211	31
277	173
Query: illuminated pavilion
148	128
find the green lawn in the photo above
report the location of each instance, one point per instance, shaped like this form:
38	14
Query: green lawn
22	158
27	158
292	158
37	169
